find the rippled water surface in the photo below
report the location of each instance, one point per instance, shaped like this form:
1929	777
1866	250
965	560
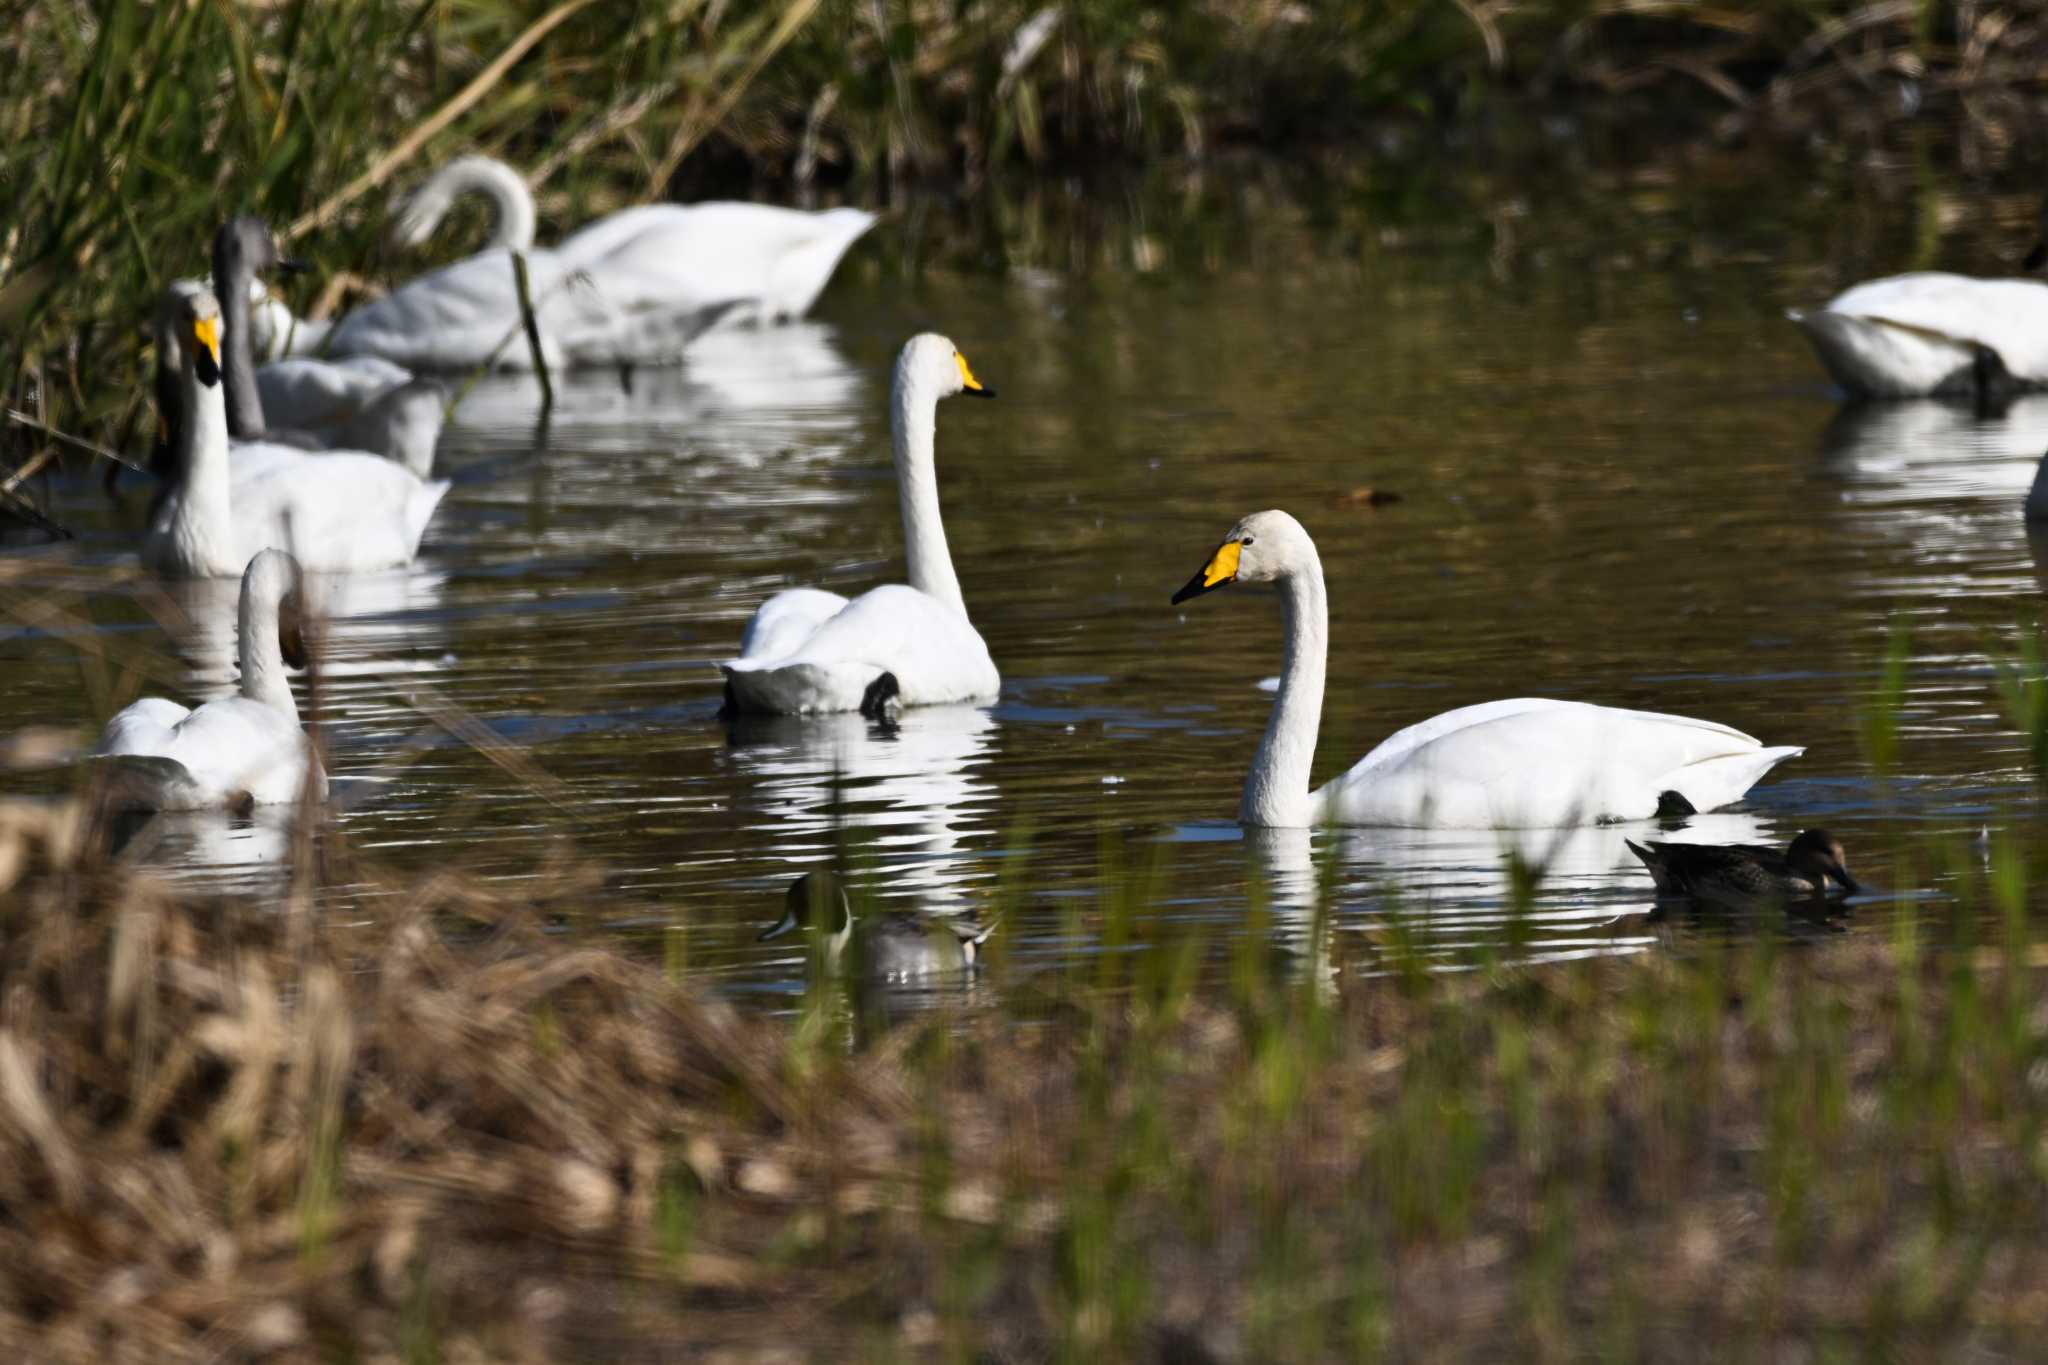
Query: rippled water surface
1622	479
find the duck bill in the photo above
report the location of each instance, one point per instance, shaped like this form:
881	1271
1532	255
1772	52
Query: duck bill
777	929
1220	570
1845	881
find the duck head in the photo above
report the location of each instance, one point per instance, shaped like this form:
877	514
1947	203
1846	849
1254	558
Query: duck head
814	898
1818	856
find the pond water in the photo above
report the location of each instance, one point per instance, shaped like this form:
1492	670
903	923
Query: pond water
1622	478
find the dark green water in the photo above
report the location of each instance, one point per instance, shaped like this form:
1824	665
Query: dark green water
1622	479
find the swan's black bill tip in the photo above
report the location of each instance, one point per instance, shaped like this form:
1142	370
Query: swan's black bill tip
982	392
292	265
205	367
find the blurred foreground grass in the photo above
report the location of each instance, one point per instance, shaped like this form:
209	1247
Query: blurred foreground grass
438	1121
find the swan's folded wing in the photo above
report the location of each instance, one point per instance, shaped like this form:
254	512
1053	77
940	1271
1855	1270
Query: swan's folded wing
785	622
934	653
143	727
2009	316
1531	762
342	511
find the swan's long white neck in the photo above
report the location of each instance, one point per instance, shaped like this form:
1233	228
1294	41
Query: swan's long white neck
257	651
1276	790
202	522
510	198
914	429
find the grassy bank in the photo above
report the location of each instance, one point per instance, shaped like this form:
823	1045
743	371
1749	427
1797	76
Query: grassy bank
434	1123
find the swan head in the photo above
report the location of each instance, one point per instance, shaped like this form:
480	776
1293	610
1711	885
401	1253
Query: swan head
1262	548
814	898
1818	855
243	243
189	329
932	364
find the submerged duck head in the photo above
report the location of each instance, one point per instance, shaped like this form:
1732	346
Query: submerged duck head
1262	548
934	365
1817	855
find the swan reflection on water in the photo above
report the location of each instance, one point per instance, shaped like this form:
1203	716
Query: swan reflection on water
750	391
908	793
245	853
1454	888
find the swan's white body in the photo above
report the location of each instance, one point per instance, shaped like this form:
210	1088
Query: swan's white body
1523	763
358	403
234	750
338	512
808	650
1913	336
632	288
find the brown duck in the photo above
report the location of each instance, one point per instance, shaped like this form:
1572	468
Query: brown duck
1744	876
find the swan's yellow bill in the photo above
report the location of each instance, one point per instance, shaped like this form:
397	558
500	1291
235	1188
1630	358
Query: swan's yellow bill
1221	568
971	385
206	331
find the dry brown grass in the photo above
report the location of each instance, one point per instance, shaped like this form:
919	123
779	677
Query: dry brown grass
432	1125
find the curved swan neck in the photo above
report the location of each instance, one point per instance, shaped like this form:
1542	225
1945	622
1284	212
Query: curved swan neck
1276	790
257	651
232	278
914	429
511	200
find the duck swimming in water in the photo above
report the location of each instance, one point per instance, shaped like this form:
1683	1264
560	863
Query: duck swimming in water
1746	876
894	947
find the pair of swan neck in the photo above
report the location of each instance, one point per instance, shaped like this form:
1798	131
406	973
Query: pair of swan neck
914	413
1276	790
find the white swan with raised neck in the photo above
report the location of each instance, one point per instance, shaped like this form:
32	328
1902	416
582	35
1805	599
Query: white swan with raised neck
339	511
1525	762
900	645
234	751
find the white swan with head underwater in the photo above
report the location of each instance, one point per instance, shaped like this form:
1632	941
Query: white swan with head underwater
1527	762
233	751
339	512
1930	333
809	650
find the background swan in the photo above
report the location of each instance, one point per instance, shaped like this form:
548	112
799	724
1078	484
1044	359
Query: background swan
234	750
1912	336
770	262
809	650
340	512
1524	762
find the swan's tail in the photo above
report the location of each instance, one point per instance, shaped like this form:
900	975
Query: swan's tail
800	687
1721	781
